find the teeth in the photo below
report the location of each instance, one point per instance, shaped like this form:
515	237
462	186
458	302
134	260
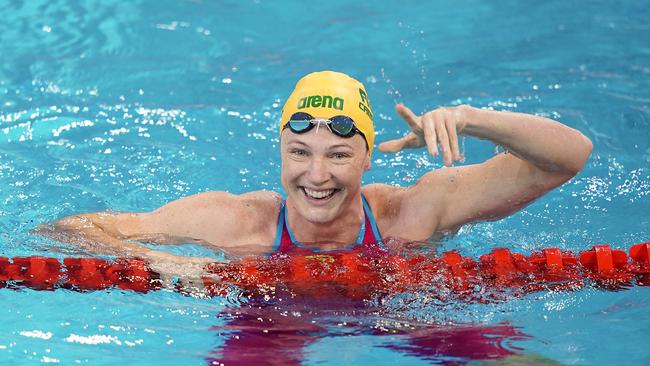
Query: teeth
318	194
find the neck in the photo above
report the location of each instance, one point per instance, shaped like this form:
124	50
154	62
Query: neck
343	230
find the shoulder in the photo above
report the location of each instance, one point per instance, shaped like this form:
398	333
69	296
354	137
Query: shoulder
252	210
413	212
253	202
257	214
385	203
388	200
222	218
264	203
380	198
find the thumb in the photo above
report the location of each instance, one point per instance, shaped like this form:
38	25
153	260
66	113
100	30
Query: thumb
396	145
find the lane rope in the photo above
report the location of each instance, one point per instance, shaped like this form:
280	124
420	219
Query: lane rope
354	275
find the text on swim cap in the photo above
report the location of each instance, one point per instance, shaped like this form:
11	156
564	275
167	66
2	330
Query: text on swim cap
364	104
324	101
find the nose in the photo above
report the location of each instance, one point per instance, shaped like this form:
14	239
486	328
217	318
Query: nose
318	172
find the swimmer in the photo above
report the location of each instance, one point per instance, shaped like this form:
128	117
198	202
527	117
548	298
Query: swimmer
326	143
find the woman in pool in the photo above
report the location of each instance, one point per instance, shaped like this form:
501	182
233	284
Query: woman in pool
327	138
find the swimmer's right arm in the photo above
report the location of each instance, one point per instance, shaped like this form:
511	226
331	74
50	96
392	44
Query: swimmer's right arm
216	218
101	233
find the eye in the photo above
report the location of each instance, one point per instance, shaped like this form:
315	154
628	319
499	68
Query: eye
340	155
298	152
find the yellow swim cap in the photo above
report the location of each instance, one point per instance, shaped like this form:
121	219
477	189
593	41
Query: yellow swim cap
326	94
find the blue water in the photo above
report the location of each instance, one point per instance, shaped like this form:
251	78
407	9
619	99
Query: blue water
127	105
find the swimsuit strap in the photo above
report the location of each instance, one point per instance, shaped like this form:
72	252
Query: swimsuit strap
282	236
285	240
373	235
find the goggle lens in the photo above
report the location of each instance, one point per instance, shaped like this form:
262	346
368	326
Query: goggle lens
342	125
300	122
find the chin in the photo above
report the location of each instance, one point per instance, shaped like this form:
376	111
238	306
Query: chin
318	214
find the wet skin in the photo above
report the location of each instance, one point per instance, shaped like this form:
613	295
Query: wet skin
321	174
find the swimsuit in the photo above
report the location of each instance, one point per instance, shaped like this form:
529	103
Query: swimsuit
368	238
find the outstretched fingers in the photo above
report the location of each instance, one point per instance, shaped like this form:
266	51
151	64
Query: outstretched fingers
443	137
430	134
453	138
437	127
407	115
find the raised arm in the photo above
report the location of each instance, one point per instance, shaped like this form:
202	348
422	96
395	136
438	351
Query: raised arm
541	154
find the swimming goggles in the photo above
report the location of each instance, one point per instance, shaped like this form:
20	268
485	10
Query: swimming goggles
301	122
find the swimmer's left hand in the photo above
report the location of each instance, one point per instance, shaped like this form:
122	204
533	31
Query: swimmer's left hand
440	126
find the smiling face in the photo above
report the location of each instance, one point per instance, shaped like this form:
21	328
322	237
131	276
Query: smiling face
321	172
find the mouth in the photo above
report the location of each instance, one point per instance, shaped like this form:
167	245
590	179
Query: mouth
319	195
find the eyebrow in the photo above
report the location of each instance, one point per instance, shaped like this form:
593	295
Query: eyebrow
340	145
297	142
329	147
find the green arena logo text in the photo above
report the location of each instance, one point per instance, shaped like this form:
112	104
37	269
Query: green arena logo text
324	101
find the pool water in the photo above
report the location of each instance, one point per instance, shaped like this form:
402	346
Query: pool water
127	105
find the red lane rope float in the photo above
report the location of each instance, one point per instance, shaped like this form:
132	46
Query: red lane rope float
354	275
82	274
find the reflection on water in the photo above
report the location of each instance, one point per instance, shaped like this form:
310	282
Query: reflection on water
271	335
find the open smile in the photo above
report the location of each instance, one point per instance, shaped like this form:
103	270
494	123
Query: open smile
320	195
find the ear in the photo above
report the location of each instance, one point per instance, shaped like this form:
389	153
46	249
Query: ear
367	164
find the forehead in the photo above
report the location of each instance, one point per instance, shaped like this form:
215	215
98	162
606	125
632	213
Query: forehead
322	138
